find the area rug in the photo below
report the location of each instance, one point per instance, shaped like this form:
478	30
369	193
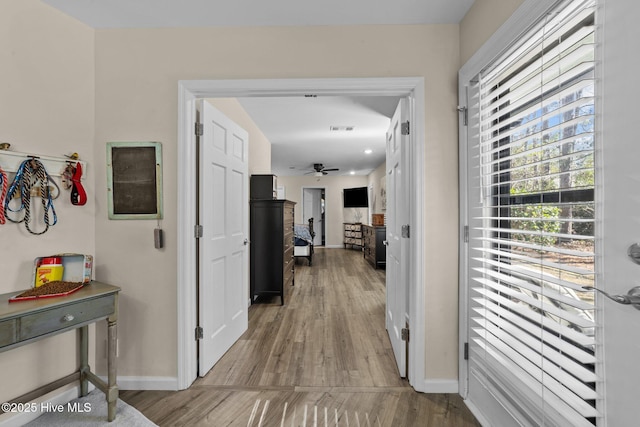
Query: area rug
91	411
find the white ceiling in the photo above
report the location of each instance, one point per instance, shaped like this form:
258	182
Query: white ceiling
298	128
300	135
208	13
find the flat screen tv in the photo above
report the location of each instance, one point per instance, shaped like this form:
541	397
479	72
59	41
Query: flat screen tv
356	197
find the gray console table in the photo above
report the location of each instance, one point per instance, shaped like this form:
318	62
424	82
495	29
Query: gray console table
23	322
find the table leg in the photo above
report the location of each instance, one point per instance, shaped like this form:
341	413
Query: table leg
84	360
112	342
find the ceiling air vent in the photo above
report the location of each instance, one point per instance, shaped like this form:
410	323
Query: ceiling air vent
341	128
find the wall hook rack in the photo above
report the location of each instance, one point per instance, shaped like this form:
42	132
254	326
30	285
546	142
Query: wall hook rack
10	161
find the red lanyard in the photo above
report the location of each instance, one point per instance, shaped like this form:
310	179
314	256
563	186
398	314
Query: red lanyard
78	195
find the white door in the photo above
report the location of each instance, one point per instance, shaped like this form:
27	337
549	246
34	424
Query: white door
397	216
223	250
312	208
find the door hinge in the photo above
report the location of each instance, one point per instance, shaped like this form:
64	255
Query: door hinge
404	334
465	115
466	234
405	128
199	129
466	351
406	232
199	333
198	231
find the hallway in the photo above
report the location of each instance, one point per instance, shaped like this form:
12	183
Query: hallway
324	358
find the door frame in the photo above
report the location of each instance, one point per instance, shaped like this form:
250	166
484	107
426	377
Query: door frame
191	90
324	223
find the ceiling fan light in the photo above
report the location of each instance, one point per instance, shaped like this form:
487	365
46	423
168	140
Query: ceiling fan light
318	174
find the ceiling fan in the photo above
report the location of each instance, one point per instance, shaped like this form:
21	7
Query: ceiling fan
320	170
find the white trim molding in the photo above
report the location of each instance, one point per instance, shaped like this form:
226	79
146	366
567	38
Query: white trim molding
417	275
187	256
191	90
437	386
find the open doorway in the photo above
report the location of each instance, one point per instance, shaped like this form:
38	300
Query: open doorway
313	206
189	92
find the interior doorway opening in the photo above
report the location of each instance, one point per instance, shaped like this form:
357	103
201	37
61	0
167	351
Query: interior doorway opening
314	206
189	92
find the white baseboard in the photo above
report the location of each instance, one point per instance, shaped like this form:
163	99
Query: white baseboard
146	383
437	386
58	397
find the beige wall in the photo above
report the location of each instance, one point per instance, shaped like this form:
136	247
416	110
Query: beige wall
137	72
481	21
46	107
259	145
335	214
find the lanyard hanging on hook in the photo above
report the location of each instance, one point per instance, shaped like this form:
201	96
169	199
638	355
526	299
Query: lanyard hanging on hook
31	175
3	194
72	177
78	195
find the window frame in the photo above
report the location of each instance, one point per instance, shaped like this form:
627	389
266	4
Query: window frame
524	20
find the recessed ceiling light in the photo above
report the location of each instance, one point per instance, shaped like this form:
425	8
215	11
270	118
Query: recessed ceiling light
352	172
368	151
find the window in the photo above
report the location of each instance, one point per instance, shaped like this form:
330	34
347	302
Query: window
531	324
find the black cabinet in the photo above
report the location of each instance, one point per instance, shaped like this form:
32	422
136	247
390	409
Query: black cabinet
263	187
374	249
271	254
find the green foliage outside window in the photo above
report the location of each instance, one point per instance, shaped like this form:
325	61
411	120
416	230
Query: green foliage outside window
536	218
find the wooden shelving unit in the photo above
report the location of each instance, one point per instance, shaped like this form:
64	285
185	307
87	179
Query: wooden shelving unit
353	235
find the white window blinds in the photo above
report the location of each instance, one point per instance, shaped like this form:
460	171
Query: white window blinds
532	326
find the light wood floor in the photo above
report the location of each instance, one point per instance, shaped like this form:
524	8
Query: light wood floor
322	359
